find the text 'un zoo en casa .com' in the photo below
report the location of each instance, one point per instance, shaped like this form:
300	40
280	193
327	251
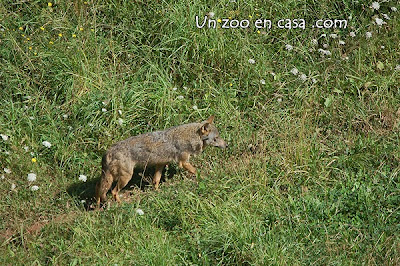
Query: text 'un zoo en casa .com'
228	23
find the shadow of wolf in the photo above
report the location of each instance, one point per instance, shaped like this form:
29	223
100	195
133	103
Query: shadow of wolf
154	149
141	178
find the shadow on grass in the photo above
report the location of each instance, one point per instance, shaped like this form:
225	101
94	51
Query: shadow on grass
141	179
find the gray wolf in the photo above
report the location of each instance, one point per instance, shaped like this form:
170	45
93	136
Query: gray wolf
155	149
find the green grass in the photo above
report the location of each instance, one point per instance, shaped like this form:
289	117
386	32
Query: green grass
311	175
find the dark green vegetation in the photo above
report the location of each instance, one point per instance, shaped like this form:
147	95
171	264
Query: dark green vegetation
312	172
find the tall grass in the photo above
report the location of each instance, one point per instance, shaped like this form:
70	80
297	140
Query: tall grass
311	175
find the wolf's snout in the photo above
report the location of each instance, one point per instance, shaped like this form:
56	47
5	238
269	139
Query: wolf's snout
223	145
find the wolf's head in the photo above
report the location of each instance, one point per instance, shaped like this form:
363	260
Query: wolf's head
209	134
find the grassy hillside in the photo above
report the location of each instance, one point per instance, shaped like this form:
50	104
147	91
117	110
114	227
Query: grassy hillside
312	116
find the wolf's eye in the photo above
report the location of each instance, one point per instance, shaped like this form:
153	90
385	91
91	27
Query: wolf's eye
215	139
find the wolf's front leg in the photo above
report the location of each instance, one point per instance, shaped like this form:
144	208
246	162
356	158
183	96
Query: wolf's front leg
189	167
157	176
184	163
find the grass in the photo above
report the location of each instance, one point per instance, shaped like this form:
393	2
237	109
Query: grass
311	175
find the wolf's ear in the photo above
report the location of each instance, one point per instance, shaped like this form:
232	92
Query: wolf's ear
205	127
210	119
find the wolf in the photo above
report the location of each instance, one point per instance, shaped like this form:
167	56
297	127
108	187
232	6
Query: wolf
155	149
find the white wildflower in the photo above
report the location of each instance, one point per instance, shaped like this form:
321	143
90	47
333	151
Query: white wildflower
4	137
34	188
279	100
397	68
13	186
90	125
180	97
46	144
303	77
393	8
314	80
294	71
375	5
174	88
323	35
139	211
2	177
382	46
352	34
325	45
289	47
7	153
195	107
31	177
120	121
341	42
83	201
333	35
184	87
103	110
252	61
82	178
31	118
65	116
119	112
211	14
7	171
379	21
314	42
26	148
32	154
385	16
368	35
262	82
104	102
324	52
